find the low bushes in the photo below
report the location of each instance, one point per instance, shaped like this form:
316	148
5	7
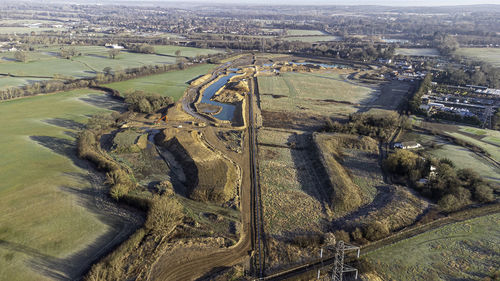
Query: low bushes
89	148
142	102
378	127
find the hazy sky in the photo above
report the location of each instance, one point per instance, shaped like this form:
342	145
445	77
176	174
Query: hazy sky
351	2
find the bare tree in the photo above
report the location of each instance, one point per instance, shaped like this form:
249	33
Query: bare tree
113	53
21	56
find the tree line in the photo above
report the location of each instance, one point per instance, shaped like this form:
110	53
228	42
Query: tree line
379	127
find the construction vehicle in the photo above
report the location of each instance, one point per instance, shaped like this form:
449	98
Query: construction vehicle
161	118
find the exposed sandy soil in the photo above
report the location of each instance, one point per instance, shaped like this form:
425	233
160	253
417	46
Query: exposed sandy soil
195	262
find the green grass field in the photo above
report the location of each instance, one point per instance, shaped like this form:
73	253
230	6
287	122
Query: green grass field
26	29
6	81
43	217
312	39
489	55
299	32
492	149
468	250
45	62
464	158
307	92
461	157
185	51
429	52
47	68
473	131
172	83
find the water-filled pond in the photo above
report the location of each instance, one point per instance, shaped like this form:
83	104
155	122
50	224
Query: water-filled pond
321	64
227	111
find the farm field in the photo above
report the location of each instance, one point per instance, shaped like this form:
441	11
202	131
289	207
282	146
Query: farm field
185	51
45	62
47	68
429	52
301	32
467	250
489	55
493	150
123	61
6	81
312	39
47	227
27	29
172	83
462	157
483	138
319	93
81	66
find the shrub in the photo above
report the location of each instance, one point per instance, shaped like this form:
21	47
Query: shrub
307	240
447	161
119	190
140	101
165	187
376	230
449	203
165	213
484	193
357	235
364	266
342	235
401	162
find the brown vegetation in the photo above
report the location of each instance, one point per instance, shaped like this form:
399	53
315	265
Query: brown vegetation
212	177
134	257
346	195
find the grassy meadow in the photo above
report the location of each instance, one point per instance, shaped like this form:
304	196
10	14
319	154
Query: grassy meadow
315	93
301	32
45	63
468	250
185	51
312	39
43	218
428	52
27	29
489	55
462	157
172	83
282	192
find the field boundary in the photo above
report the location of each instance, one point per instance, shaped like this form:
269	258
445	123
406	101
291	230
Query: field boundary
406	233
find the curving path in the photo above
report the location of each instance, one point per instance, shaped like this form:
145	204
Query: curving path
192	264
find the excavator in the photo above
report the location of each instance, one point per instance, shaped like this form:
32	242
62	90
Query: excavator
164	117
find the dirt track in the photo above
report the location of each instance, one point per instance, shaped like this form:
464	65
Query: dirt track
197	263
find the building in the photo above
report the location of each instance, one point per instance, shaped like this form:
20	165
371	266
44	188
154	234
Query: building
113	46
407	145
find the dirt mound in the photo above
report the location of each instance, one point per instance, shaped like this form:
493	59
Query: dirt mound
346	195
129	141
351	141
212	177
233	92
